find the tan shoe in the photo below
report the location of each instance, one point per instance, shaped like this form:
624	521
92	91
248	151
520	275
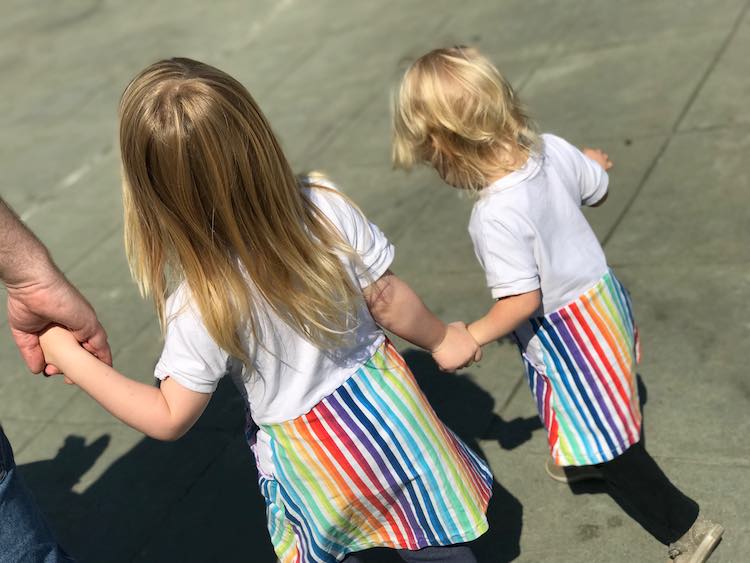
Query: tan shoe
698	543
571	473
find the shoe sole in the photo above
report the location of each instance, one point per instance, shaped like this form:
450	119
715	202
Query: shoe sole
571	479
708	544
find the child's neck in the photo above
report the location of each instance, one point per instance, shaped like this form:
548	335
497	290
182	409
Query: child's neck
507	164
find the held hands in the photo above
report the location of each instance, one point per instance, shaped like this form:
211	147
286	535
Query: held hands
51	298
598	156
457	350
56	343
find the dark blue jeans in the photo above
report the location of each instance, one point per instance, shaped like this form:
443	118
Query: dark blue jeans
25	536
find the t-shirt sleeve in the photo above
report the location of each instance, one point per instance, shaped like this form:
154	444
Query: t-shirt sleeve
190	356
507	258
374	251
591	179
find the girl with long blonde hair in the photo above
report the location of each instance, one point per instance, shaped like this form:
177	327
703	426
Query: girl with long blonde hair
246	261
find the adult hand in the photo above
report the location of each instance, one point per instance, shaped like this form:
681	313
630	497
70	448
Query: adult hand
50	298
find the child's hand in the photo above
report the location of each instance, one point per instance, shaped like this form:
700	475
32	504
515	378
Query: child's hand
598	156
55	342
457	350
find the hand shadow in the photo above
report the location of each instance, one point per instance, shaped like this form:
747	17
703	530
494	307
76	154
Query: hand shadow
512	433
467	408
53	477
51	481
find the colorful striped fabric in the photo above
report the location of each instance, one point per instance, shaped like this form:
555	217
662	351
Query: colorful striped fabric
581	363
371	465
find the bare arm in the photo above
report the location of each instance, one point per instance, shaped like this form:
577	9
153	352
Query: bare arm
396	307
504	316
164	413
39	294
22	255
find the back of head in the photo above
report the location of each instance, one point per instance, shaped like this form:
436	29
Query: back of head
210	199
456	111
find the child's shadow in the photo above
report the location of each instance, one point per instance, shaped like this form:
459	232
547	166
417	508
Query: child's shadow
148	503
466	409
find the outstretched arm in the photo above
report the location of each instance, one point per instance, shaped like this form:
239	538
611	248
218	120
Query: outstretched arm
504	316
164	413
396	307
39	294
602	159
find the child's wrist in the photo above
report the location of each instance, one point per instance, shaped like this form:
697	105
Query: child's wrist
474	333
440	341
58	346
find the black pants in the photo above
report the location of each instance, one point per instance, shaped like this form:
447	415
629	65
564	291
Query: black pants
446	554
637	484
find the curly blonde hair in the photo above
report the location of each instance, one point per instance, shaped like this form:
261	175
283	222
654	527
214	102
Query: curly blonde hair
455	111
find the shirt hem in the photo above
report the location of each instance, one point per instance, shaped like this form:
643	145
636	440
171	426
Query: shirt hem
500	292
375	271
324	392
605	457
162	374
599	194
548	310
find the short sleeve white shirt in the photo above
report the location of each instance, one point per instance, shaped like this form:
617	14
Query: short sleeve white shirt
289	375
528	229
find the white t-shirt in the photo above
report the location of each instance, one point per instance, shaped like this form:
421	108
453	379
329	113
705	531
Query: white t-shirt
289	375
529	232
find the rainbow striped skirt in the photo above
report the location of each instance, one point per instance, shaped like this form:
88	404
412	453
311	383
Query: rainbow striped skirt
371	465
581	366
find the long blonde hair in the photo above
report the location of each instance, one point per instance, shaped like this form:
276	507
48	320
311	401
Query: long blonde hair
455	111
210	199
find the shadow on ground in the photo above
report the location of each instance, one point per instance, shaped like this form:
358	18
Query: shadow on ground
197	499
190	500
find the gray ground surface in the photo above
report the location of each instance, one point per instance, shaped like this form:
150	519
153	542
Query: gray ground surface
662	86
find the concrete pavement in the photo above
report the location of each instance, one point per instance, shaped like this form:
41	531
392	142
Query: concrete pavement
662	86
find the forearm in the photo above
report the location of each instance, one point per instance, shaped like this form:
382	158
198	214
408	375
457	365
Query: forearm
23	257
505	316
397	308
138	405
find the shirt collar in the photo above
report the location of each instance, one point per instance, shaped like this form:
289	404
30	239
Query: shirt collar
528	170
